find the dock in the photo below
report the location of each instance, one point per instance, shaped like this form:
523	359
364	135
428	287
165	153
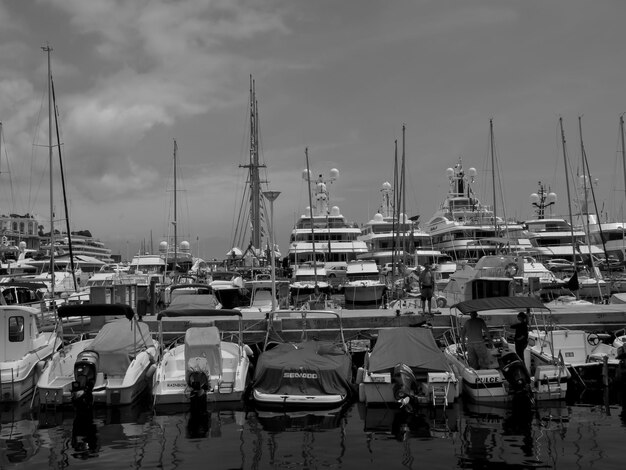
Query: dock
288	325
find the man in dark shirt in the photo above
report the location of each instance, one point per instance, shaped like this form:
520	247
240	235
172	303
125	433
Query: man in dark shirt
521	334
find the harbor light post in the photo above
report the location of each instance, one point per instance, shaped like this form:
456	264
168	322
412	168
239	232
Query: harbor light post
271	197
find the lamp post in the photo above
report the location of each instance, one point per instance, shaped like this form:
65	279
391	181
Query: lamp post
271	197
542	199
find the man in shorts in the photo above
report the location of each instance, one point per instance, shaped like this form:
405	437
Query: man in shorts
427	281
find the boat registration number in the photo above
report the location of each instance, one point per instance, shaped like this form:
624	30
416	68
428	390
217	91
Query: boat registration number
377	378
489	380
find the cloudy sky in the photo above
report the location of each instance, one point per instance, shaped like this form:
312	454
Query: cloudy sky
337	77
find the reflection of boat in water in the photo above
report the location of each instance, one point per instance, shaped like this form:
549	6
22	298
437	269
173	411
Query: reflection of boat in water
403	424
17	434
89	431
510	435
301	421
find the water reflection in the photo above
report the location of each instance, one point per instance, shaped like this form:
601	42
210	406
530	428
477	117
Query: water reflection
464	435
520	433
402	424
17	434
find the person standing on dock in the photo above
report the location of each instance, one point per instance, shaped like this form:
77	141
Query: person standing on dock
426	288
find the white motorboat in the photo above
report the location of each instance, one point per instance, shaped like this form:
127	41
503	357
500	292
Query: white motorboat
112	368
363	287
202	366
508	375
406	366
591	362
24	351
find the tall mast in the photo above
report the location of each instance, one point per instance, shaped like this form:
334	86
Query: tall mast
308	179
569	197
621	133
493	176
253	167
403	185
47	49
175	212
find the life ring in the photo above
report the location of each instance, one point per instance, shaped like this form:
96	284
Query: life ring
511	269
441	302
593	339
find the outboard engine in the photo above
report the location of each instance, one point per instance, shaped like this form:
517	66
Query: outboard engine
515	373
404	384
85	373
198	377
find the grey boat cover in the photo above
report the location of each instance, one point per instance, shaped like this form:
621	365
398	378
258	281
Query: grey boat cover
307	368
415	347
203	343
118	342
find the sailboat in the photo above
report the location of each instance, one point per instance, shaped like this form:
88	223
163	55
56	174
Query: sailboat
251	213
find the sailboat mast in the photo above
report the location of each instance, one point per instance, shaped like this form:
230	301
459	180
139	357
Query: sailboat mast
621	133
255	183
403	196
175	212
47	49
308	179
569	197
493	176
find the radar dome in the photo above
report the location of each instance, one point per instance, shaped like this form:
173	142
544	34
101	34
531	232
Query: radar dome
386	186
306	175
450	172
334	211
378	217
163	247
334	173
184	245
472	171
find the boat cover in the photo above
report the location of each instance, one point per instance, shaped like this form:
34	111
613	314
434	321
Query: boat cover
307	368
415	347
118	342
495	303
204	343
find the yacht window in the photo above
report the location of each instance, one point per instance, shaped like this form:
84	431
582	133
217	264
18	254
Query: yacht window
16	329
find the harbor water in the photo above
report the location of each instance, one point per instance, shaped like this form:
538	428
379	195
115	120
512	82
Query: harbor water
576	436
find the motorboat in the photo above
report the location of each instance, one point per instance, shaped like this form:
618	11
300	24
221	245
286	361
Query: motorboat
24	351
202	367
407	367
113	368
507	375
309	283
363	286
591	362
309	374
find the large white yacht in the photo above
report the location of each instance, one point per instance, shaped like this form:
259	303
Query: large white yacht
466	229
83	244
323	230
385	230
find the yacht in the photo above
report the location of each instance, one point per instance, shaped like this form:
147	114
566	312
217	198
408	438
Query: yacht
466	229
83	244
322	233
385	231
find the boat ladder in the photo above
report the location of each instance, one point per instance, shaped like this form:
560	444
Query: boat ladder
439	393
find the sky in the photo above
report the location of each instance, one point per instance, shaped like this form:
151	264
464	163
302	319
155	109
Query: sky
339	78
